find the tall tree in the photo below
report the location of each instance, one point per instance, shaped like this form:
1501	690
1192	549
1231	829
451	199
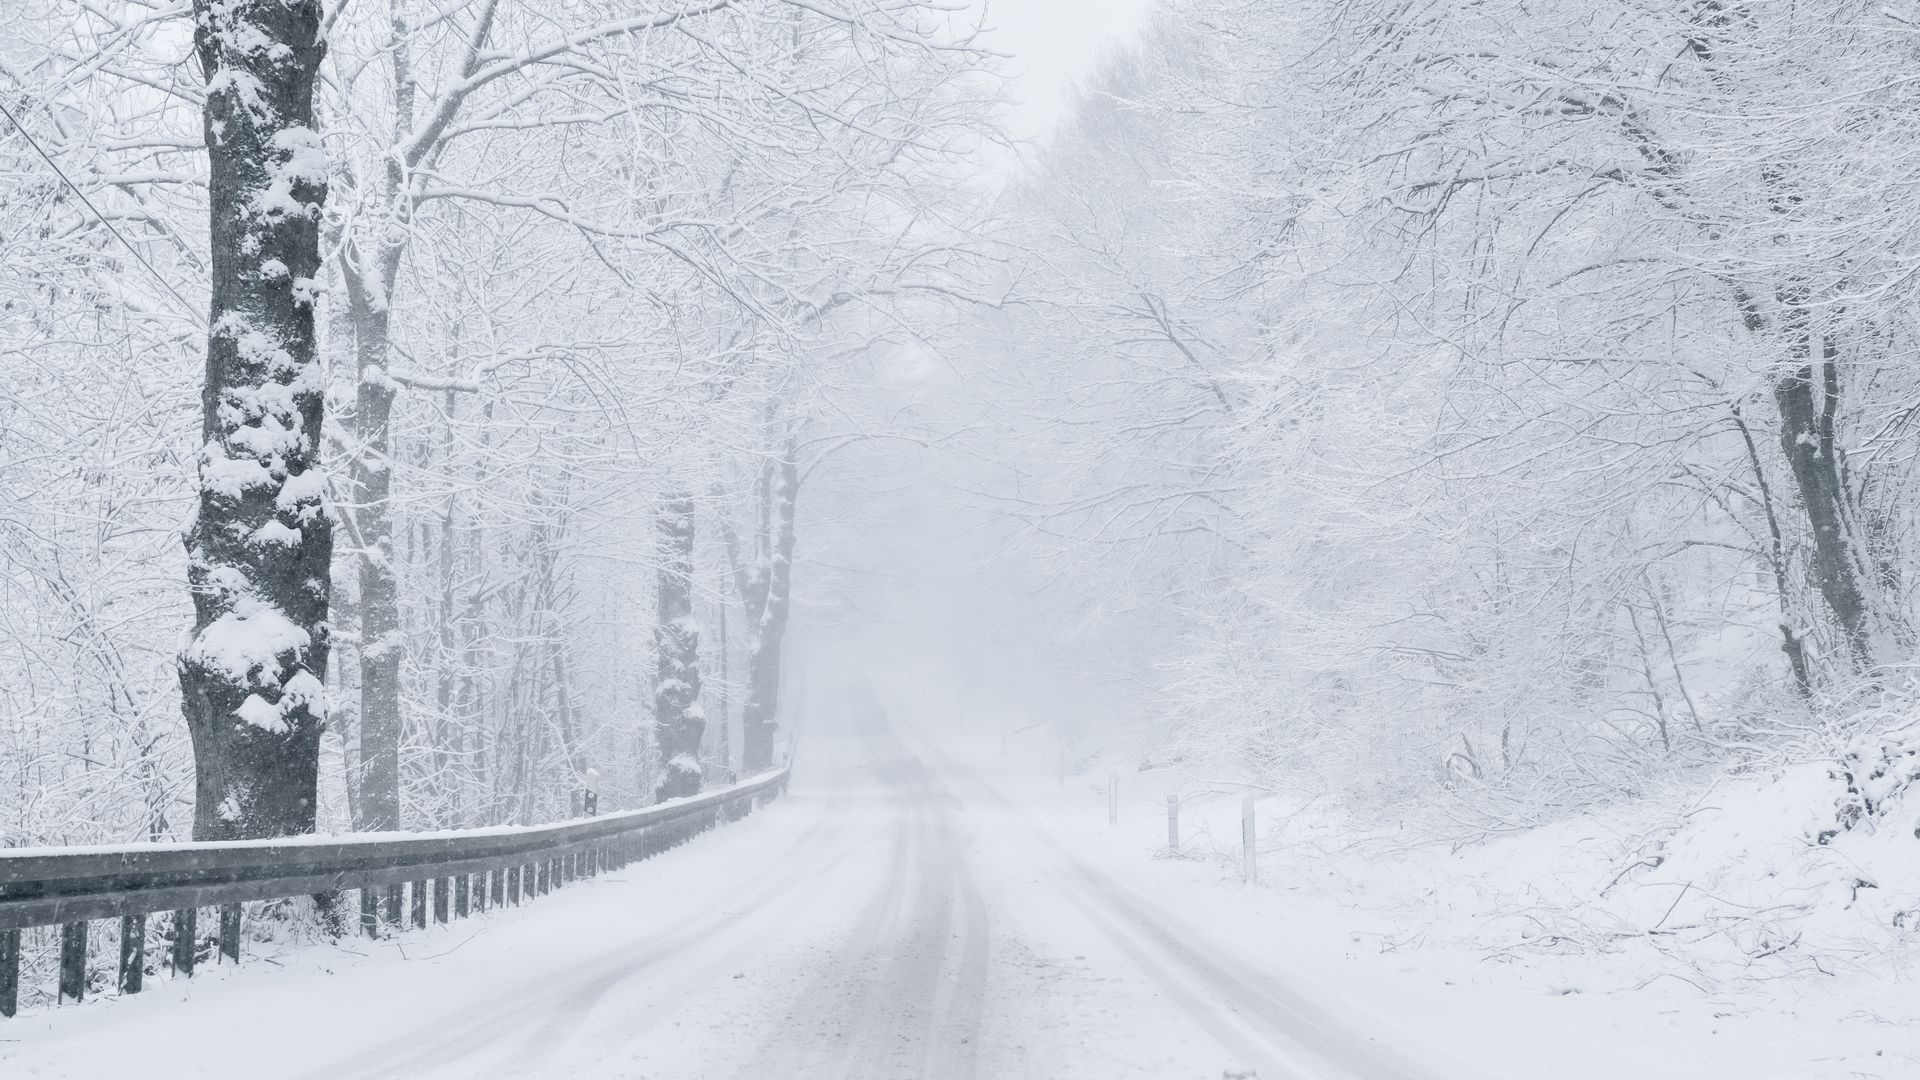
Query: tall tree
259	548
679	722
766	592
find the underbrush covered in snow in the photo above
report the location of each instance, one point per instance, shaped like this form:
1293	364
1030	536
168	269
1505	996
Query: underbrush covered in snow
1797	860
1785	892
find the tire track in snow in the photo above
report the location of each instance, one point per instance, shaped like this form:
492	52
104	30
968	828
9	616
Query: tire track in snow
1276	1028
897	999
968	1003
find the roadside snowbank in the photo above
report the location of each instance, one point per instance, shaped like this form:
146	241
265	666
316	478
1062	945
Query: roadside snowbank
1706	926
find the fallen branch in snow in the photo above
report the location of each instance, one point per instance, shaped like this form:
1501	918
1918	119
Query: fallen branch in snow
1651	862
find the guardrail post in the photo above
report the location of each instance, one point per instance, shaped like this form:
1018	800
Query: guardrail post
419	889
396	904
9	972
440	889
1173	823
462	895
230	931
514	874
184	922
1249	868
370	911
133	953
73	961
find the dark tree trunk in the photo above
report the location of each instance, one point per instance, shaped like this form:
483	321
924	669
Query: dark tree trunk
1840	566
1792	642
252	679
678	722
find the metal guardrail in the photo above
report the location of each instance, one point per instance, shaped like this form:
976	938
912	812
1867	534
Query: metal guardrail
465	871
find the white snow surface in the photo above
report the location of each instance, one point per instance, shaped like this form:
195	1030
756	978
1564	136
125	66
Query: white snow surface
1700	932
247	643
930	908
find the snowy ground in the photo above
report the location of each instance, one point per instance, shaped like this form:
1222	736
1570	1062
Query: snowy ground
1700	934
918	907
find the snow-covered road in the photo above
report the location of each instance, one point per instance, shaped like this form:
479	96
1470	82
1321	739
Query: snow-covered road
896	917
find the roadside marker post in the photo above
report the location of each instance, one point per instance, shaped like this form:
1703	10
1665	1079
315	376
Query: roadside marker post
1249	870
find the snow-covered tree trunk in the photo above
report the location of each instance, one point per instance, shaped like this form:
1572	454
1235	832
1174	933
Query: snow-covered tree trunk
371	273
379	600
679	723
760	713
723	748
252	677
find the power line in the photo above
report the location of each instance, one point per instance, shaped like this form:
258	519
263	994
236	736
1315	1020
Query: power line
191	311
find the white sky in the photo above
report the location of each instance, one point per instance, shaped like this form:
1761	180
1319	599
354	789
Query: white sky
1054	42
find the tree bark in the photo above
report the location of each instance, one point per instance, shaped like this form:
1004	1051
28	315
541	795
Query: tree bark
679	723
381	646
371	272
1840	566
1792	643
724	748
773	588
252	677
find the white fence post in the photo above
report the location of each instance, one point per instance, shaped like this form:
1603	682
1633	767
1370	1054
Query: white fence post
1173	823
1249	870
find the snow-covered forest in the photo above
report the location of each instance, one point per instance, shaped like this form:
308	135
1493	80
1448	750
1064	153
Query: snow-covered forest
1510	401
1478	427
586	287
